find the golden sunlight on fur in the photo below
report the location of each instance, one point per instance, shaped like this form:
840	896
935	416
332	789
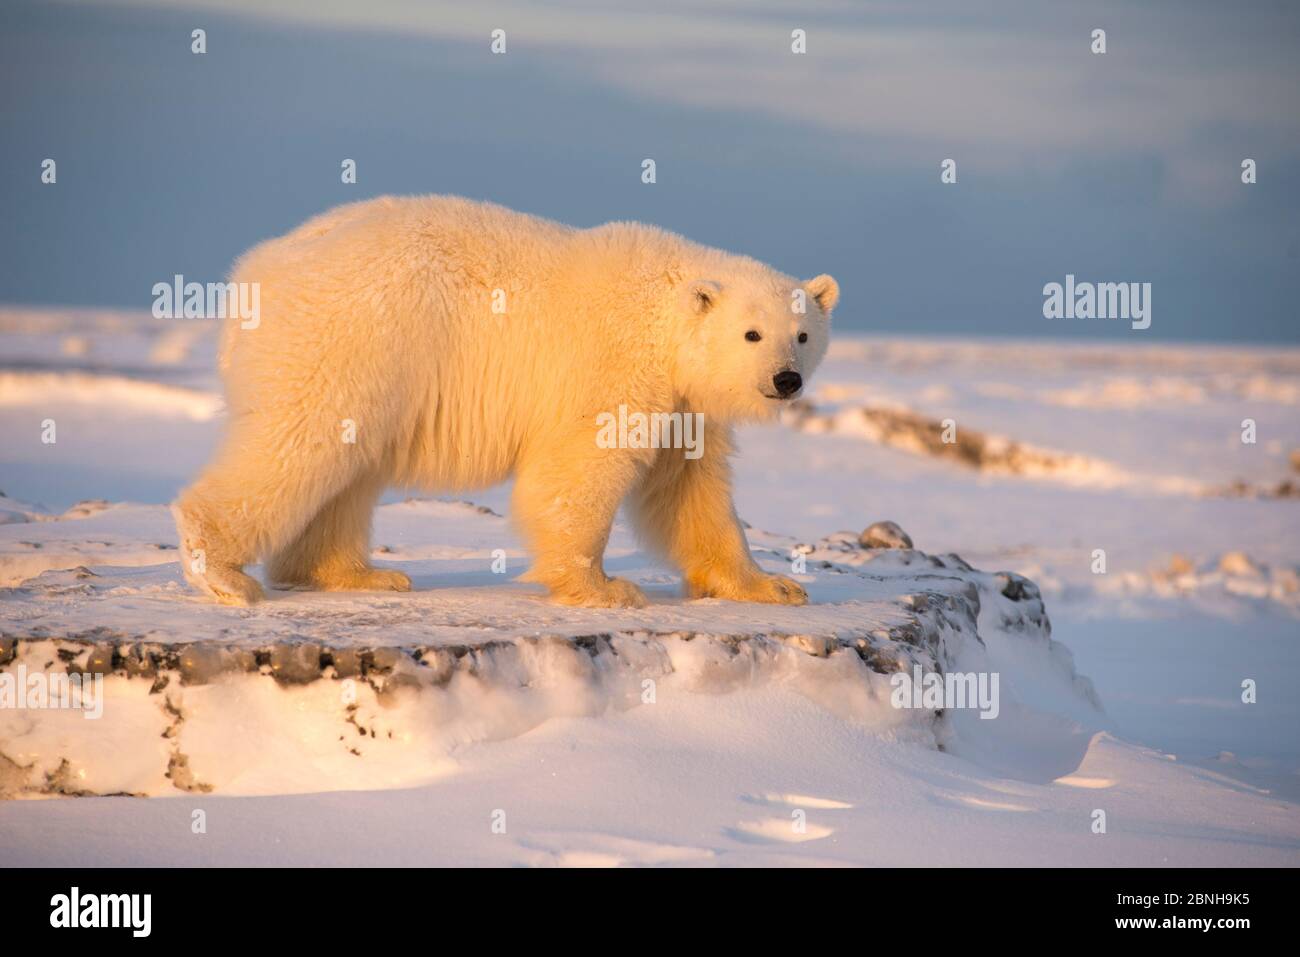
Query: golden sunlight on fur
443	344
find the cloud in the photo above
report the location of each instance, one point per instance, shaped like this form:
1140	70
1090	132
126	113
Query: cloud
1018	85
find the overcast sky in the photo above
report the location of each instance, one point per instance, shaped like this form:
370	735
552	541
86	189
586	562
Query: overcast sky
1117	167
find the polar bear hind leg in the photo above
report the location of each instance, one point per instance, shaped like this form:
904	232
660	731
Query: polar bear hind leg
259	497
333	551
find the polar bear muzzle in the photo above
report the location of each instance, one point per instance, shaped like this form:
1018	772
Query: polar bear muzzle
787	383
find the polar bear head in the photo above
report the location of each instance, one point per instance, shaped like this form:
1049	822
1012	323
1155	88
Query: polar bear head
752	339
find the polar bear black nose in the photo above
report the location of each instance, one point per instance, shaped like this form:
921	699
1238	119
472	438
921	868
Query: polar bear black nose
787	382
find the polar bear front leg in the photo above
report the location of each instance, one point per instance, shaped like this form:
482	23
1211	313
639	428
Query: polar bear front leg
564	503
684	510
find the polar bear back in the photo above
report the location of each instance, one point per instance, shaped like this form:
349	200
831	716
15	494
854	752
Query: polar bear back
381	313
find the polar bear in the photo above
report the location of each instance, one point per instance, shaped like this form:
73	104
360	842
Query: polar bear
445	344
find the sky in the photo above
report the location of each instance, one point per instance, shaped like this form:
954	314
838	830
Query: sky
1115	167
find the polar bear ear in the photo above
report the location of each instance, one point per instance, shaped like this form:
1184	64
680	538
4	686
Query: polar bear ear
825	290
702	295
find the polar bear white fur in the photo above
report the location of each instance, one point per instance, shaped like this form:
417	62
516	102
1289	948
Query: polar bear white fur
379	360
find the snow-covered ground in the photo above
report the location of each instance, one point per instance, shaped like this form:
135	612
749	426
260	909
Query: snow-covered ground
761	742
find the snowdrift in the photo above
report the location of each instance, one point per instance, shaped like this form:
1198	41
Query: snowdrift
313	691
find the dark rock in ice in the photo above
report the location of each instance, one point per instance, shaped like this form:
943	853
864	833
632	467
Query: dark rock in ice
296	663
1017	587
885	535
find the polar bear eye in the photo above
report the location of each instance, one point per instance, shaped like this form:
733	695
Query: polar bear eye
753	335
803	337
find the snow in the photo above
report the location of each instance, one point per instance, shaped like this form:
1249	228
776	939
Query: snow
471	722
700	779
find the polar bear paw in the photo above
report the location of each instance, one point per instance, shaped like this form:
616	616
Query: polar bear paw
777	590
362	579
758	587
610	593
229	586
